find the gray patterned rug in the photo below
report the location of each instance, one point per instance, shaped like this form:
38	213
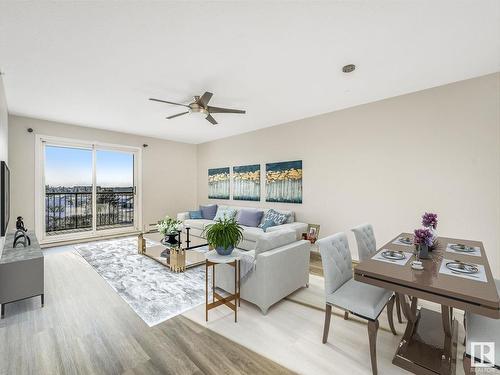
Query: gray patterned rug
152	290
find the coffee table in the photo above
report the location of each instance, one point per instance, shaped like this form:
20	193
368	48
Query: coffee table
178	259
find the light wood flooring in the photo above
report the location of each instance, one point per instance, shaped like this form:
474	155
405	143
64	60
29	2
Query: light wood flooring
86	328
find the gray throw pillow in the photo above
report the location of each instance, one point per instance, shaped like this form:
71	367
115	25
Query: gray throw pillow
208	212
249	217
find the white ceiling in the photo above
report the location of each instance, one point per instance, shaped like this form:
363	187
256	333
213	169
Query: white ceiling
96	63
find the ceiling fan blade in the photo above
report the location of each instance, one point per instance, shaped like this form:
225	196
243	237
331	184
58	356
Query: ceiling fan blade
164	101
211	119
179	114
224	110
205	98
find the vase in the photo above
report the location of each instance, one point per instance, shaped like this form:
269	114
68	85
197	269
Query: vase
222	251
423	251
434	238
172	239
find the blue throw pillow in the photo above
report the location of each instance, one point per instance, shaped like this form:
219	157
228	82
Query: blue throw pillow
195	214
267	224
249	217
208	212
275	216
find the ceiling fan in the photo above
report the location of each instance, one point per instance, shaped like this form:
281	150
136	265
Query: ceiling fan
200	105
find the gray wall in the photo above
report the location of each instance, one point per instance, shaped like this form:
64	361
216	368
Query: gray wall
168	168
389	161
4	146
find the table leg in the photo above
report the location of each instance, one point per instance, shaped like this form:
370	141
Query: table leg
206	291
446	317
235	291
239	283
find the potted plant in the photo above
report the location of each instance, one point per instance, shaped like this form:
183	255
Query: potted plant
430	221
224	235
422	240
169	227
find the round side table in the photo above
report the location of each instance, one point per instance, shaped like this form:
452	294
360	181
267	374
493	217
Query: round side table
233	260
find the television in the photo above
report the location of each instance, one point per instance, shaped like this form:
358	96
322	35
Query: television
4	197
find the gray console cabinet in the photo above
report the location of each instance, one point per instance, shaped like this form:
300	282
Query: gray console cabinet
21	271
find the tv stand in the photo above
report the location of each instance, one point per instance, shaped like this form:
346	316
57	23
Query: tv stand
21	271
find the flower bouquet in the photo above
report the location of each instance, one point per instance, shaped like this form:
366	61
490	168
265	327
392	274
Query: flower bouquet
422	239
430	221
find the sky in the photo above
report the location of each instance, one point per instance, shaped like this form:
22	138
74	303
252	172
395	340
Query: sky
66	166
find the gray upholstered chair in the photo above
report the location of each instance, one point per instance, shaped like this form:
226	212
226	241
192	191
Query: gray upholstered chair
481	329
367	247
342	291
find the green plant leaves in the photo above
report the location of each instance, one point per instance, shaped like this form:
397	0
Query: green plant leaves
224	233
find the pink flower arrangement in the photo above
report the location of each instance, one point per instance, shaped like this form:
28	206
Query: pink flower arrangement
423	237
430	220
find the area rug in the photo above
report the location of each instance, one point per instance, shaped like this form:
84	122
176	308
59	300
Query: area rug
151	289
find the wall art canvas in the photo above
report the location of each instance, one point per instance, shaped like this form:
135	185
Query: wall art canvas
284	182
218	183
246	182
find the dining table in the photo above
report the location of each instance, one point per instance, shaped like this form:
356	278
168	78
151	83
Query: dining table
429	343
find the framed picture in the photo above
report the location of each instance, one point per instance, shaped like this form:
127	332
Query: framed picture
246	182
313	232
284	182
218	183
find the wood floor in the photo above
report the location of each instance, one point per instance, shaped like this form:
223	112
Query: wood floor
86	328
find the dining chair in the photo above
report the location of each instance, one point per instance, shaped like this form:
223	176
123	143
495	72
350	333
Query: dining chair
342	291
481	329
367	247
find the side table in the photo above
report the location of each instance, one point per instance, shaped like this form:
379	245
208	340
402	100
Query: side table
233	260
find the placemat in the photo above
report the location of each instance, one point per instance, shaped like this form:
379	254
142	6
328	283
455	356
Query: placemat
476	253
398	242
480	276
399	262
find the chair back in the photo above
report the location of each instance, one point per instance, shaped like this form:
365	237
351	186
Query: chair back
365	239
337	261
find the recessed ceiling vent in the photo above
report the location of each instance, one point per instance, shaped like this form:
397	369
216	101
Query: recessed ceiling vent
348	68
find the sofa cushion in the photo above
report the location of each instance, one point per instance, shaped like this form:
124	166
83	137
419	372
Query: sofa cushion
252	233
225	213
273	215
195	214
249	217
198	223
208	212
290	214
273	240
267	224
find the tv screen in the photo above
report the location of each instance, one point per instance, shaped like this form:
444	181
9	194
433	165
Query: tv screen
4	197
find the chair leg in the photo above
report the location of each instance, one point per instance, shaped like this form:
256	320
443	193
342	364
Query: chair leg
372	337
328	315
390	313
398	308
346	315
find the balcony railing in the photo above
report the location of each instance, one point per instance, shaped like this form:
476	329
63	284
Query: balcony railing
72	212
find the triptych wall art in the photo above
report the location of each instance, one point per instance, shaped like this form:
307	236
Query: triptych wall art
218	183
283	182
246	183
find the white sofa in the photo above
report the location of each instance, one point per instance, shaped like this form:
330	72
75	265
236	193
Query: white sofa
281	267
250	234
281	261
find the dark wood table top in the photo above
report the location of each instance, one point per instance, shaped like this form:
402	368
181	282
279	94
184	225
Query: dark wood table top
479	297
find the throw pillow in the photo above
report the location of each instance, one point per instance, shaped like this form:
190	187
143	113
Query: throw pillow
195	215
266	224
275	216
225	213
249	217
208	212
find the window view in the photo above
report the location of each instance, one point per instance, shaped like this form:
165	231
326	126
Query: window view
68	190
115	189
69	193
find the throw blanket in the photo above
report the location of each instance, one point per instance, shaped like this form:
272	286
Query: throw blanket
247	262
